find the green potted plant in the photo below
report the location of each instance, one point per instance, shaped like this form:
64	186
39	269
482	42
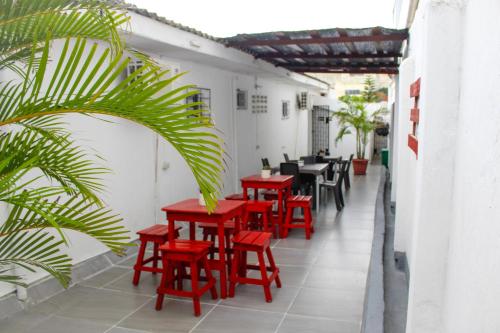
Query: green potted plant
266	171
354	115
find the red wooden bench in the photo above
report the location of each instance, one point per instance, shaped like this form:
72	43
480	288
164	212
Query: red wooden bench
306	223
210	233
263	213
158	235
177	254
258	242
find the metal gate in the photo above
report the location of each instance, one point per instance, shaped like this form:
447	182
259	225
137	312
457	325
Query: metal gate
320	128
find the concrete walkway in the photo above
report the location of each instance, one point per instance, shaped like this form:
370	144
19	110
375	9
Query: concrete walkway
324	283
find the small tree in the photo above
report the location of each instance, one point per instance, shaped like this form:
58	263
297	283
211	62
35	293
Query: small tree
369	93
355	116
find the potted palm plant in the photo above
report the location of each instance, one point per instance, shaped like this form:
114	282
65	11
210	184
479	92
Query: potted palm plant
353	115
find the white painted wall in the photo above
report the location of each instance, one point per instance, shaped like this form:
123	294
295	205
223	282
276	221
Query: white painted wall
448	200
472	288
404	177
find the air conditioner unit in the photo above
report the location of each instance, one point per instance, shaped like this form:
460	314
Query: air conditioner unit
304	100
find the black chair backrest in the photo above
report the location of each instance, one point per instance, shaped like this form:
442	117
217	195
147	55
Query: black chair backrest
348	167
342	171
287	159
265	162
319	159
330	171
308	159
291	169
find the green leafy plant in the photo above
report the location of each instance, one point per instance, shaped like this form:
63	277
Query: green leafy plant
47	183
369	93
353	115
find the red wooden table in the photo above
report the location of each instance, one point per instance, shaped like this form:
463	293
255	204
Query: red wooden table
282	184
190	211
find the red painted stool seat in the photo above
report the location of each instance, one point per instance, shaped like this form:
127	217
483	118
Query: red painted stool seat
235	196
210	231
258	242
265	210
306	223
176	255
270	195
158	235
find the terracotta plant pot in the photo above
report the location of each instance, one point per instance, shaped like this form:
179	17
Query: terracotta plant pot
359	166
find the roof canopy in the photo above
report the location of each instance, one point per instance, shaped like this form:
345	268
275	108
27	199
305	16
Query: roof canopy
368	50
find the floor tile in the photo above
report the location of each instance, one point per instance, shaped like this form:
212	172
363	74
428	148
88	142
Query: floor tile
22	322
105	277
252	297
349	246
329	303
125	330
147	284
317	240
58	324
175	316
298	257
233	320
330	278
344	260
98	305
299	324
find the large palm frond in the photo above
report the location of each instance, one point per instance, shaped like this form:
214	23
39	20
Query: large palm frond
24	25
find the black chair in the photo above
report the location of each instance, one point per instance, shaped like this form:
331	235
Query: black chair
292	169
287	159
332	168
347	180
308	159
336	186
319	159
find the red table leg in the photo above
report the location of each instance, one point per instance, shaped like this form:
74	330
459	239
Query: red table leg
222	259
245	193
192	231
280	213
171	229
256	194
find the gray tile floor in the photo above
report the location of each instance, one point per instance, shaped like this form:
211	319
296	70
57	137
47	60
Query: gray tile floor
324	283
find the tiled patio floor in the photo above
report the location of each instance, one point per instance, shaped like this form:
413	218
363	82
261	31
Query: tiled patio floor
324	282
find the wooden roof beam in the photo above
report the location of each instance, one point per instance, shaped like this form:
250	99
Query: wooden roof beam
321	40
328	56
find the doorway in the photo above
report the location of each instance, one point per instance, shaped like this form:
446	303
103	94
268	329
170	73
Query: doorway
320	128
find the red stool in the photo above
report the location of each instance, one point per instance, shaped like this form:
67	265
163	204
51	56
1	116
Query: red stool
180	253
299	201
270	195
257	242
158	235
210	230
236	196
265	210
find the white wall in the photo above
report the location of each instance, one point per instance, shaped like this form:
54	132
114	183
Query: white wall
404	177
472	287
448	199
